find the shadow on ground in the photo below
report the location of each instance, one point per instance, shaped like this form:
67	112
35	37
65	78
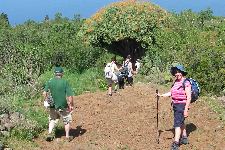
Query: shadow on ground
78	131
189	127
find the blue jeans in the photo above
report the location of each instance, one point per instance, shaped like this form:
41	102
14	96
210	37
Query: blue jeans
178	110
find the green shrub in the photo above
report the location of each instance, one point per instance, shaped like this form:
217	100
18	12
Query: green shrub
89	80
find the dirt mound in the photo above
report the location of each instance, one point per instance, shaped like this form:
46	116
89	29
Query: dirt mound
127	120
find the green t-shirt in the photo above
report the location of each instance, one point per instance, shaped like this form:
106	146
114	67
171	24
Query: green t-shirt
59	89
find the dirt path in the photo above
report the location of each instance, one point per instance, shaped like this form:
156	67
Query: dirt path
127	121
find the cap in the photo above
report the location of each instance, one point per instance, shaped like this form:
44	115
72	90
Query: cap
58	70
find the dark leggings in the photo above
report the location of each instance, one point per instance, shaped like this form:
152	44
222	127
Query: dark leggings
130	81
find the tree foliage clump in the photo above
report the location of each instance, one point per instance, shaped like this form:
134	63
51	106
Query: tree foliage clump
123	20
30	49
194	40
4	21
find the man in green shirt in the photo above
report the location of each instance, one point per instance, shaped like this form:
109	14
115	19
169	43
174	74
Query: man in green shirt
62	96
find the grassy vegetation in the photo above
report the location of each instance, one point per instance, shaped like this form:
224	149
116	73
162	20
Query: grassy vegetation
90	80
216	105
16	144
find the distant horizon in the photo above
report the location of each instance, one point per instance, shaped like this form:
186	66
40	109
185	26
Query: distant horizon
21	11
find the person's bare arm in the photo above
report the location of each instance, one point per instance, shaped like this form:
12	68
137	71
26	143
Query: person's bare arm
188	94
168	94
130	66
70	102
44	95
116	68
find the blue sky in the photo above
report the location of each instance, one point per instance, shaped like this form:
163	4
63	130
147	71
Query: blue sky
19	11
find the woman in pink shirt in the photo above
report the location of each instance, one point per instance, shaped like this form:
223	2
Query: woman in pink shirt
181	98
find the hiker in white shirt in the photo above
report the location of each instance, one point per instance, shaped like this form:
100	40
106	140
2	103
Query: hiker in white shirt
112	78
128	65
137	65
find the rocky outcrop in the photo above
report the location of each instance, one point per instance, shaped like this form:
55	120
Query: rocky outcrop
8	121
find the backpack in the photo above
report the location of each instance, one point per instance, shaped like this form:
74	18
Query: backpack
125	69
195	89
108	71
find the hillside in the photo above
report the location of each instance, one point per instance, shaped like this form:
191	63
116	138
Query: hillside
127	120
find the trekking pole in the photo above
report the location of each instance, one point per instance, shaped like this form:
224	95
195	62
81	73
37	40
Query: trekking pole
157	117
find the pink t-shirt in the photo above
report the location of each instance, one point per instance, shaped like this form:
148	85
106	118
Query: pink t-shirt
178	93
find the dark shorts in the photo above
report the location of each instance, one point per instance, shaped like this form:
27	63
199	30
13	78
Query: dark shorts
56	114
178	110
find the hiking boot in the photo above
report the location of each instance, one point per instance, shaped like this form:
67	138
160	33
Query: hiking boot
49	137
175	146
70	138
184	140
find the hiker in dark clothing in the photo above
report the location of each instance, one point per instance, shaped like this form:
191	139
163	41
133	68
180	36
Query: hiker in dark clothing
121	76
181	98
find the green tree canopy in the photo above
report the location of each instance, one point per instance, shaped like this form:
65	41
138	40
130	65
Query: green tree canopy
4	21
125	26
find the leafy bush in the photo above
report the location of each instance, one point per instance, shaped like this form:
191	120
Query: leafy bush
30	49
181	40
89	80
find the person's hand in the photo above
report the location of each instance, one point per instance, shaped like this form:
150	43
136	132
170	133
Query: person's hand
157	95
185	113
168	94
46	104
70	108
70	103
